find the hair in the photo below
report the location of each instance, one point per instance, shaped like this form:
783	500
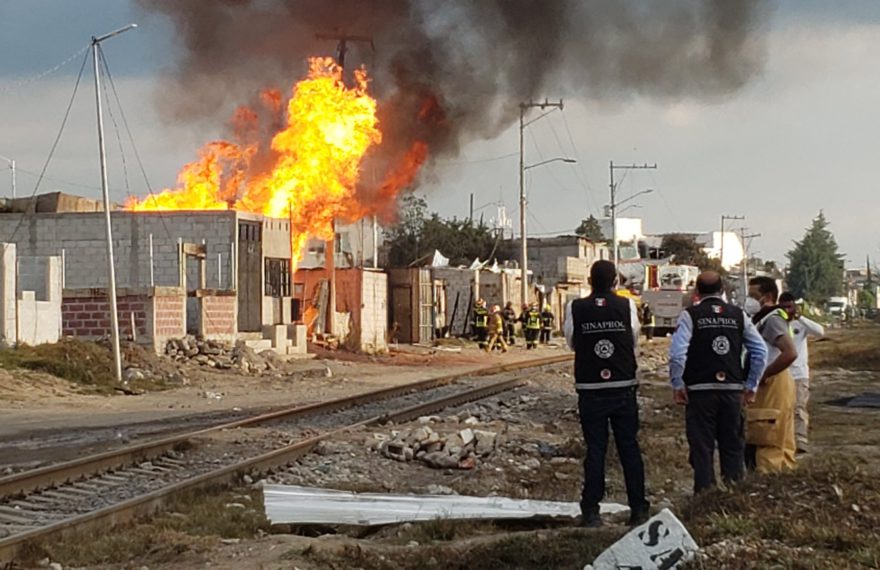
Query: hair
602	275
709	283
766	286
787	297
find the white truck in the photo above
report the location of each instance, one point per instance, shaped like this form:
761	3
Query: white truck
667	291
837	307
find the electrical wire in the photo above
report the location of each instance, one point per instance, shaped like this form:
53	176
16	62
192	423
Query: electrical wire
21	83
54	144
115	124
588	189
478	160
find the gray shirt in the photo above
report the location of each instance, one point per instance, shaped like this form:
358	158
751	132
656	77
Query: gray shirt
771	328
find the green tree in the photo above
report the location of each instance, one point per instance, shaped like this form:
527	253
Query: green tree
815	268
417	234
590	229
867	300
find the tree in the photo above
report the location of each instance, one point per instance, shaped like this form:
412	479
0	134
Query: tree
686	250
591	229
416	235
815	266
867	300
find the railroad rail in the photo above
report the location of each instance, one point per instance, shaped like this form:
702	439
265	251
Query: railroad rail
109	488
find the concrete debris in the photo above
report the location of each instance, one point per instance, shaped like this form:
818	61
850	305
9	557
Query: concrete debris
458	450
661	543
222	356
292	504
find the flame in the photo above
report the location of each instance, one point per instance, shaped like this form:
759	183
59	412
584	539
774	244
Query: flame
310	170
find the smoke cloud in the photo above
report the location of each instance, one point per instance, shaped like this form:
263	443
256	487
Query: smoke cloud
447	72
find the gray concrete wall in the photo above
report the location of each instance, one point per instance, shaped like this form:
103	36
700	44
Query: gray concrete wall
81	236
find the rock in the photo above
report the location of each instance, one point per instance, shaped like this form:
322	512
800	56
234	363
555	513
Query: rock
44	563
248	480
201	359
559	476
327	372
433	447
532	463
230	540
440	460
471	421
132	374
55	566
397	450
485	441
467	436
434	489
234	506
468	462
419	435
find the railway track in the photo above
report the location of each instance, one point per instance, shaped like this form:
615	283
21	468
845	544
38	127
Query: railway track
106	489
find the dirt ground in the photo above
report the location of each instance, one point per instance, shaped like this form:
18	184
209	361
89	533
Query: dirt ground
826	514
48	419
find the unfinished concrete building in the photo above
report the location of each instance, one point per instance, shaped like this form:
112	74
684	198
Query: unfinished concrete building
219	274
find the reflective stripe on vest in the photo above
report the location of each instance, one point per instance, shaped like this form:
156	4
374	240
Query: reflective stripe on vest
603	385
715	386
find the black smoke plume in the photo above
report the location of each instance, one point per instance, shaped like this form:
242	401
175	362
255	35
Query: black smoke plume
446	72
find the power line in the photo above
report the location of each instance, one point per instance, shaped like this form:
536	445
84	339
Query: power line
478	160
55	143
588	189
21	83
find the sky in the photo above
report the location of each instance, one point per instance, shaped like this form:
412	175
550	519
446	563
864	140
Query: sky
797	139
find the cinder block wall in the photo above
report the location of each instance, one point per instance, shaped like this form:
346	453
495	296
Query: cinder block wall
81	236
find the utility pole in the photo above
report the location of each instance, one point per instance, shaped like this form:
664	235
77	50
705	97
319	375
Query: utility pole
524	268
11	166
724	218
111	269
613	186
330	246
745	262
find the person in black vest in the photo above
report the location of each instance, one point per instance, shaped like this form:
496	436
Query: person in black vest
510	318
707	374
481	323
603	332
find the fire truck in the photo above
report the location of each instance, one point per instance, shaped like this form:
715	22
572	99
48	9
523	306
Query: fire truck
668	289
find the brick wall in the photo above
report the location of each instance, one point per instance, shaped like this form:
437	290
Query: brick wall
218	318
89	316
169	315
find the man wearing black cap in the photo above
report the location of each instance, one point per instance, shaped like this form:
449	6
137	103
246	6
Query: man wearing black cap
706	368
603	331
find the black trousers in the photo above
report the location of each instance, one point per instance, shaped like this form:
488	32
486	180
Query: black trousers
531	337
510	333
715	416
618	408
482	334
545	336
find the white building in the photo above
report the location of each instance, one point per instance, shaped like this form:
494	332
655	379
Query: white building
732	246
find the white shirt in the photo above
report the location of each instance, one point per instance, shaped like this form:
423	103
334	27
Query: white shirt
803	328
568	324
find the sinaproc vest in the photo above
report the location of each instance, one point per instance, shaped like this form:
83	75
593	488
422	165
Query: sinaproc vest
714	357
603	340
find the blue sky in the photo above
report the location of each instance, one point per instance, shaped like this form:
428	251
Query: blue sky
799	138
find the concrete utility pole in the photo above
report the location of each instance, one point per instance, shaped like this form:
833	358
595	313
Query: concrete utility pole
12	167
524	267
745	263
724	218
330	246
613	186
111	269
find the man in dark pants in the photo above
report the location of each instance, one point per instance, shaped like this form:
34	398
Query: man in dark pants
547	319
706	368
510	318
603	331
481	324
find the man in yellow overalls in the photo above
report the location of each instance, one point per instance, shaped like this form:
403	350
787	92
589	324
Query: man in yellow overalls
770	417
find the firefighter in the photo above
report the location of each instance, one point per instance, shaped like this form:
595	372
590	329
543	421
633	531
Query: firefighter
547	318
481	323
532	326
496	330
510	318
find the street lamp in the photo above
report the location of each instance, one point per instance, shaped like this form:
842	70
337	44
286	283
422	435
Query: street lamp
12	167
111	270
524	268
613	187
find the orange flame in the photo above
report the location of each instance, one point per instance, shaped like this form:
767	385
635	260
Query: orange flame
313	165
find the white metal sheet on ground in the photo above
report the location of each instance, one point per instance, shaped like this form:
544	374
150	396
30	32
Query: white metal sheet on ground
291	504
662	543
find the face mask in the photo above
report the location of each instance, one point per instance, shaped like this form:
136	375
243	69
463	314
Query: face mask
752	306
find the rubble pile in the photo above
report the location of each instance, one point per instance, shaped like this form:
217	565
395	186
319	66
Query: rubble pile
222	356
455	450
